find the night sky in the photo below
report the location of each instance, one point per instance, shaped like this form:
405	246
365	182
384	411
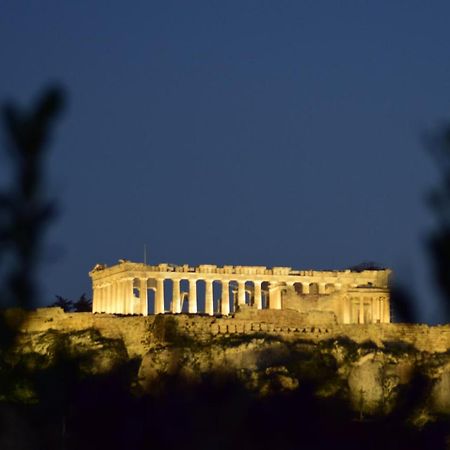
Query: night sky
282	133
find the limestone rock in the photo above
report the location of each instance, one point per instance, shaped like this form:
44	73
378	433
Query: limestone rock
440	393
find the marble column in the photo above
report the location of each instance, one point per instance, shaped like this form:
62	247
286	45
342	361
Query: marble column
159	296
257	294
386	311
321	288
110	304
305	288
102	298
346	310
143	298
115	299
381	310
176	297
241	293
120	299
118	308
94	298
225	298
124	298
274	296
112	299
192	307
361	310
209	303
101	304
128	296
107	304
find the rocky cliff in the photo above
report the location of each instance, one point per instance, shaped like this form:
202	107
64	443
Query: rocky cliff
375	369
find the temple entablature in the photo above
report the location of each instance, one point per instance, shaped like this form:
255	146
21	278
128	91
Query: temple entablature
137	288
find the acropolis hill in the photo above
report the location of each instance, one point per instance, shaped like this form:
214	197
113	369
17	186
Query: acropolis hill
271	328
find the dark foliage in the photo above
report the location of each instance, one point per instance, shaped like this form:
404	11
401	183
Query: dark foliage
83	304
99	411
24	210
439	201
402	304
366	265
64	303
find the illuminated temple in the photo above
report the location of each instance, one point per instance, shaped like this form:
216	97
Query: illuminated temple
135	288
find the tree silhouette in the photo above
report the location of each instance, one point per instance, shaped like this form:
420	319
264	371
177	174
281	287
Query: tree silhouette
64	303
438	242
366	265
24	209
83	304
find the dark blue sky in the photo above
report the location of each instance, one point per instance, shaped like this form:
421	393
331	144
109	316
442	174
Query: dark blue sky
235	132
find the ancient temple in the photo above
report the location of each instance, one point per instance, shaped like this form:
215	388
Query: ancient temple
130	288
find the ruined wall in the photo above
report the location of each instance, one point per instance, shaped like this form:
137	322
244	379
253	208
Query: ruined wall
136	331
312	302
265	349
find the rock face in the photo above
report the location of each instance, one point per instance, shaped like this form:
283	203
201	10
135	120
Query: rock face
376	369
440	393
95	354
365	381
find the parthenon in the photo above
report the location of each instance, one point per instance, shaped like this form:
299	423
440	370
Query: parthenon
129	288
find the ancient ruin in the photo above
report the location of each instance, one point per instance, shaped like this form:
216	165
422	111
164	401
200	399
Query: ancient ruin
270	330
351	296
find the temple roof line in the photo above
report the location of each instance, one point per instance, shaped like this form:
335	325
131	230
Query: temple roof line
351	278
230	269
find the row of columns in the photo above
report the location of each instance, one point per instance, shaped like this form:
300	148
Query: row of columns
117	297
354	311
321	287
209	296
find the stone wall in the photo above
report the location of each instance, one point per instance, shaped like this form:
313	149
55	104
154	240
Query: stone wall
137	332
263	348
